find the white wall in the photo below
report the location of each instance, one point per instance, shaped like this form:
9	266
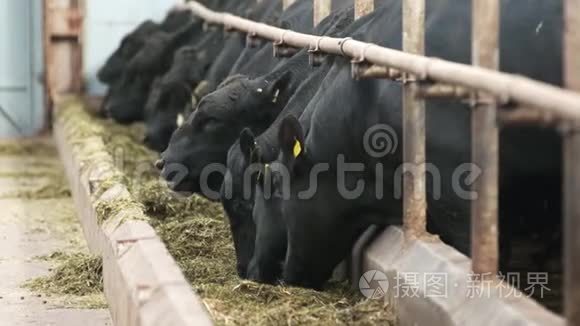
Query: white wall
106	22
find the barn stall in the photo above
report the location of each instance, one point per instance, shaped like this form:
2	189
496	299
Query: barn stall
169	260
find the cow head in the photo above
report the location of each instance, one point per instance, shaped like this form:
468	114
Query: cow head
126	98
156	54
321	225
169	98
264	218
187	69
113	68
198	149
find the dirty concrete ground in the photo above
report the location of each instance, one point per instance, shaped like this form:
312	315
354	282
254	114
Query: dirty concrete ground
29	229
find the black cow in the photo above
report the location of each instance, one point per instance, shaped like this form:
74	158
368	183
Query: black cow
238	202
156	57
190	66
126	97
322	226
237	102
175	88
219	118
214	126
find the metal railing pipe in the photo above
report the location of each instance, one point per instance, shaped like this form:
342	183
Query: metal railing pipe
414	186
523	90
571	147
485	143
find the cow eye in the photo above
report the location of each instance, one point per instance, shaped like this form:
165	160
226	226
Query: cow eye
210	124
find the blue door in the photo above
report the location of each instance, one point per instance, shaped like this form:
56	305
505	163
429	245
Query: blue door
21	108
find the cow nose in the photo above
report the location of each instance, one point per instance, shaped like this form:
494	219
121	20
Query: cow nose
159	164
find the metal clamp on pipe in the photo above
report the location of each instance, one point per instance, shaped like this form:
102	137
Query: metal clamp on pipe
365	70
362	69
315	56
439	90
521	116
283	50
252	40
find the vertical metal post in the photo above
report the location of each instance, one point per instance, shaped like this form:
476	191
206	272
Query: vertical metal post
414	194
321	10
363	7
485	143
571	169
287	3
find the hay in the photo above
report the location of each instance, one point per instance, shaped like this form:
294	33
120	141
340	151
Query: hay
110	208
77	277
36	156
47	191
76	280
197	235
23	147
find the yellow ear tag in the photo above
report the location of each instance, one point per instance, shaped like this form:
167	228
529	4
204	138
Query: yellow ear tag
297	148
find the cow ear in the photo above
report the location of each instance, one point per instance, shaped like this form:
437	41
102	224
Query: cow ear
249	147
291	140
277	85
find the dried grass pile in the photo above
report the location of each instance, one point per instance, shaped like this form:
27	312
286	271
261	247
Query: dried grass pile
38	156
77	277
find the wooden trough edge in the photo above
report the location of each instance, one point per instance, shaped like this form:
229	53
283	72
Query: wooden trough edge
409	263
142	283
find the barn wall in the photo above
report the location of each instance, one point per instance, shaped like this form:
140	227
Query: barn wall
106	22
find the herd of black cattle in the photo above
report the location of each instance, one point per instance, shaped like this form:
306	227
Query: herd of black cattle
214	97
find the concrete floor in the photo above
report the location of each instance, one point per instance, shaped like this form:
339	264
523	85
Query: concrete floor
30	228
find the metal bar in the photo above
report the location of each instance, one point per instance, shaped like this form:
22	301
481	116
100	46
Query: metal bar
287	3
571	225
485	143
443	91
364	70
414	188
571	148
527	117
363	7
525	91
322	9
